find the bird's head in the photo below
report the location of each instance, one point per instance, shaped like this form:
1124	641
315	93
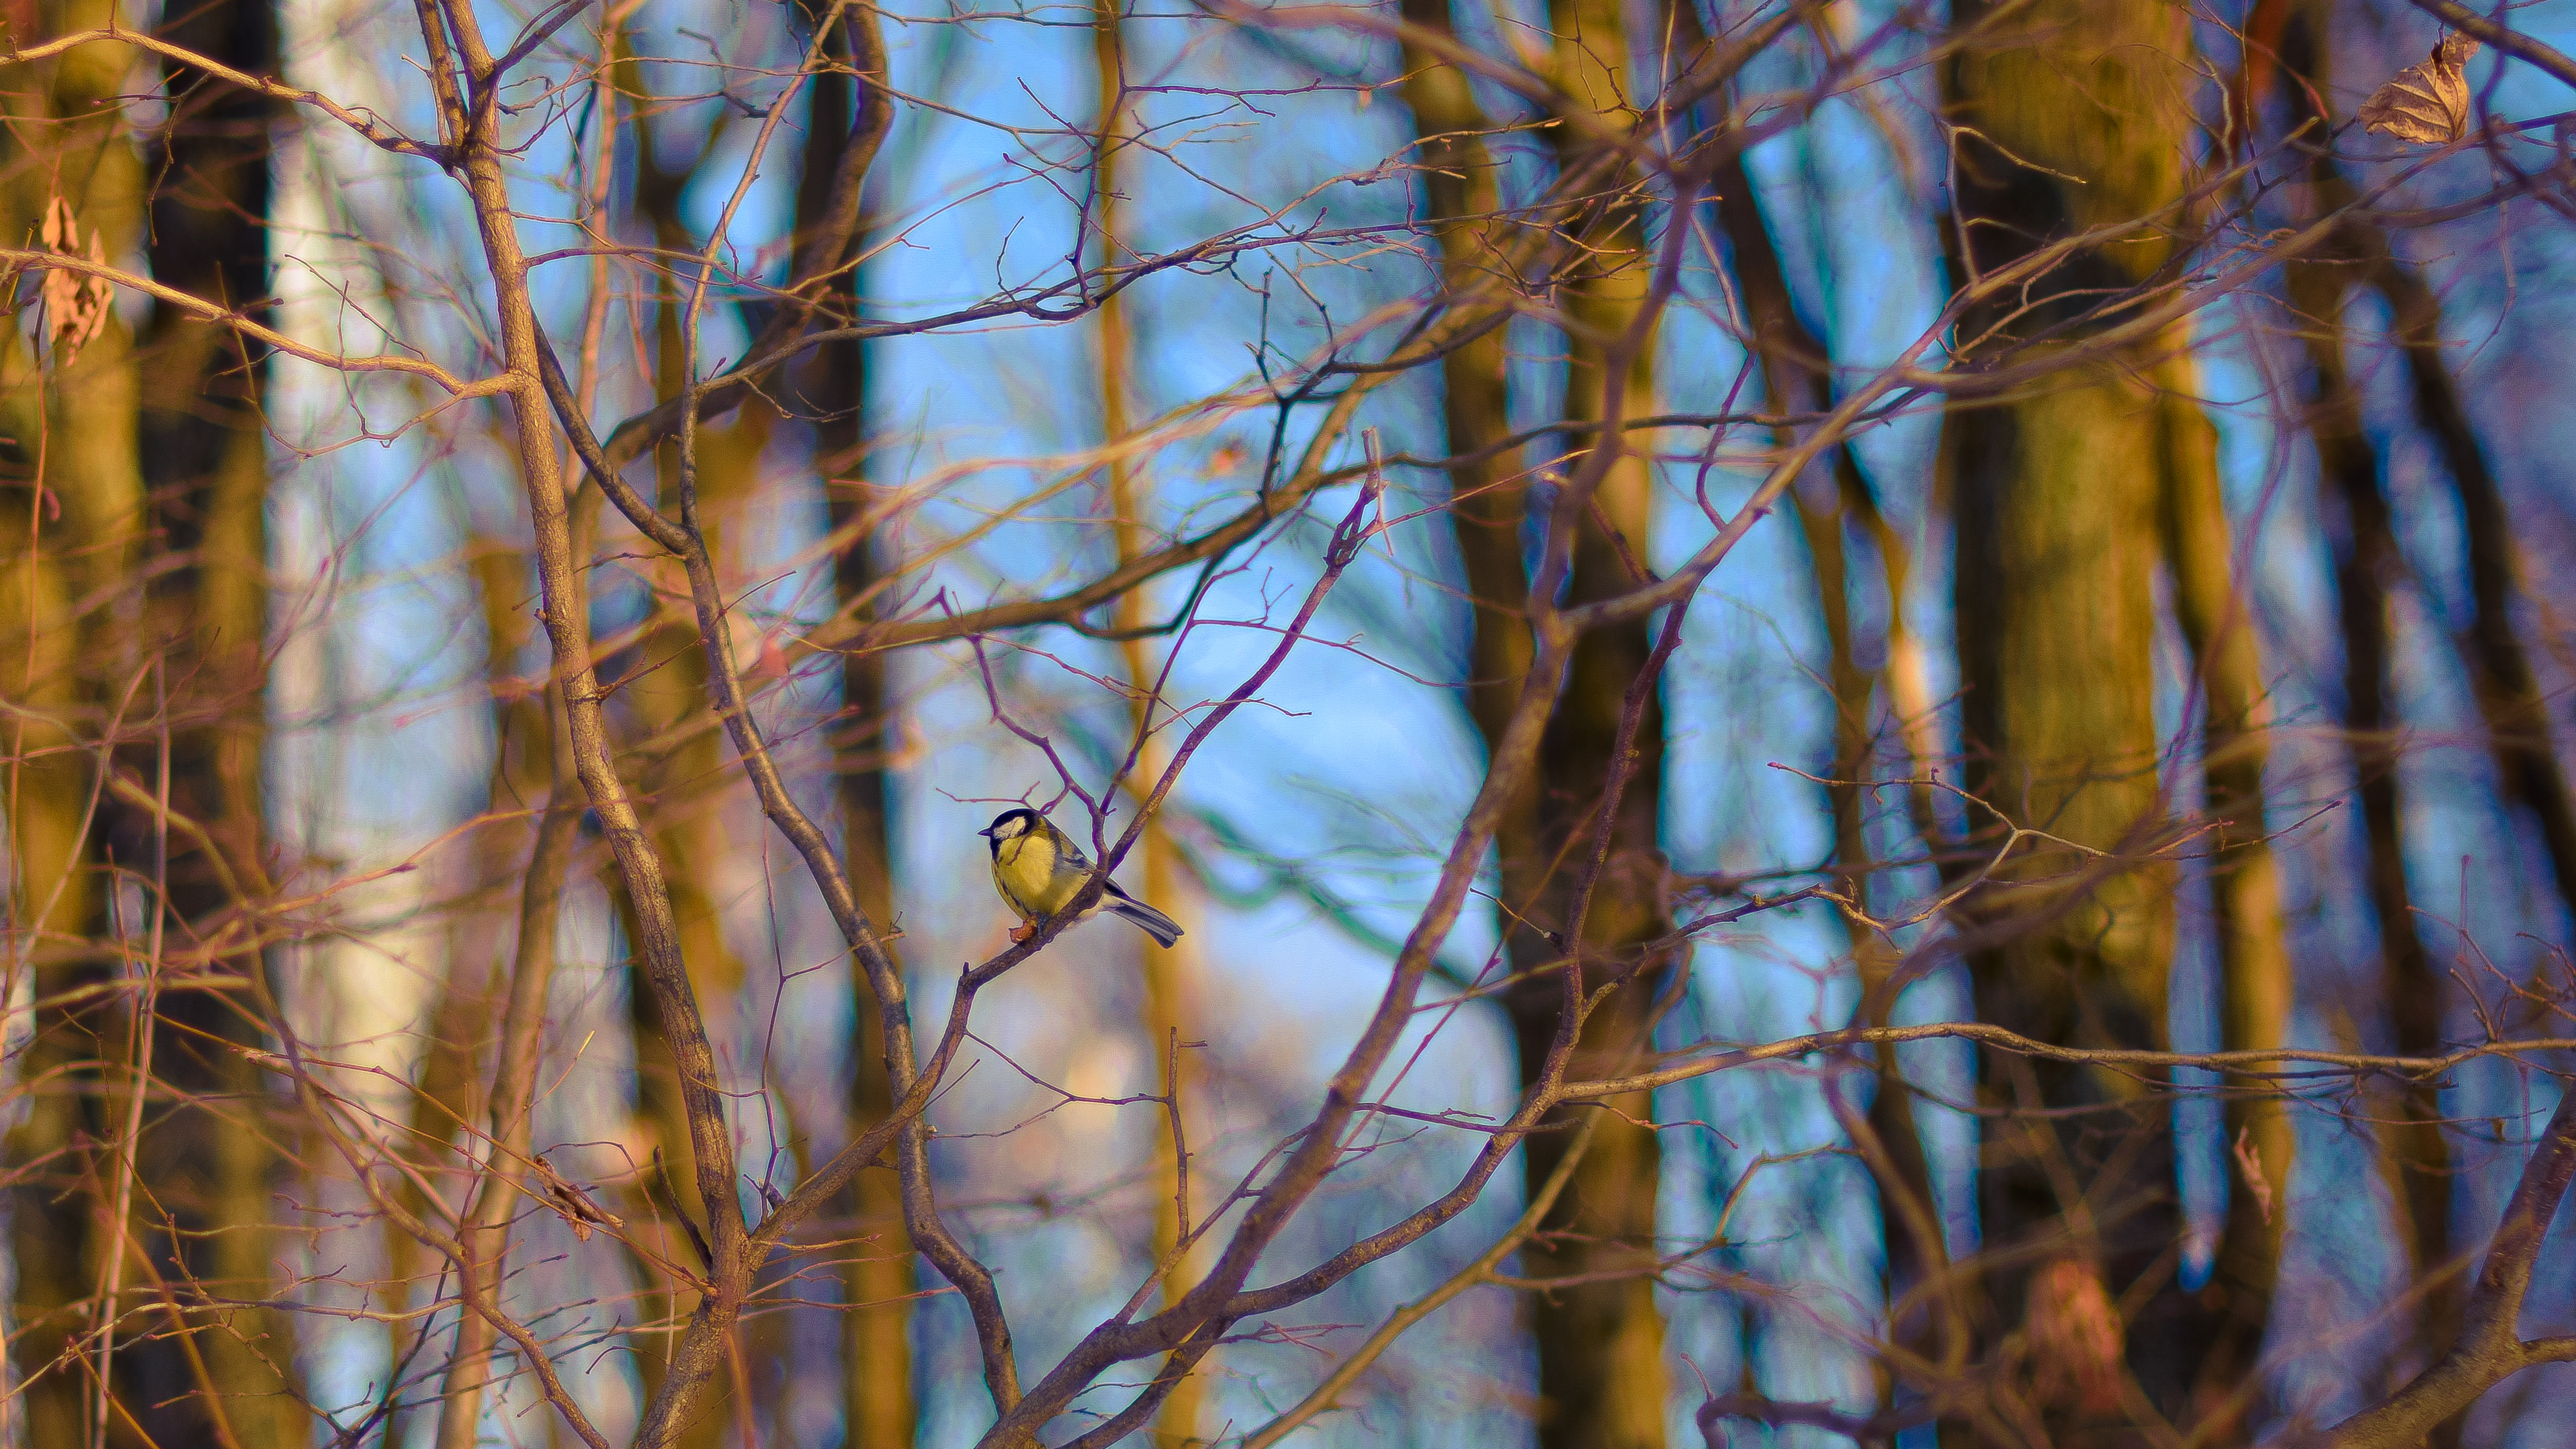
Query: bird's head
1010	825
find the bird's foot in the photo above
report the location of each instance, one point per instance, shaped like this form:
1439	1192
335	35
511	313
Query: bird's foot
1022	932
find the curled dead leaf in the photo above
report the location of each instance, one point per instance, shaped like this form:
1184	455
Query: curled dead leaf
75	305
571	1203
2251	1165
2426	103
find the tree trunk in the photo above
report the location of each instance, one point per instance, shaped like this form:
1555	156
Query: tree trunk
477	996
1600	1343
73	524
1921	1318
2060	495
2414	1155
1165	973
1602	1380
2255	976
177	472
878	1275
2500	670
685	785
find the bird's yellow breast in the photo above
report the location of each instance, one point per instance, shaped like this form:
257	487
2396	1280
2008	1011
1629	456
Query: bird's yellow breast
1024	871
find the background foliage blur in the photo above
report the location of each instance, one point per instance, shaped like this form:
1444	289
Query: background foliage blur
2148	635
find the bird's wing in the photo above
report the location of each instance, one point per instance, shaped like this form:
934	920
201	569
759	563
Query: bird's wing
1069	854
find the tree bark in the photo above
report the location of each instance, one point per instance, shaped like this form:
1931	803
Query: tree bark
2080	121
204	458
1602	1382
164	480
878	1274
1165	973
1602	1379
74	527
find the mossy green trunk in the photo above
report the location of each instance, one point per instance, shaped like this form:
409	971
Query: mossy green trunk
2071	493
1601	1377
155	449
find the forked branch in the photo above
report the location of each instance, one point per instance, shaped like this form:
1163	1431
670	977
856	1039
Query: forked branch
2491	1347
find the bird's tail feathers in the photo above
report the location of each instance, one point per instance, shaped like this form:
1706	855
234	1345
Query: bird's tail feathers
1153	922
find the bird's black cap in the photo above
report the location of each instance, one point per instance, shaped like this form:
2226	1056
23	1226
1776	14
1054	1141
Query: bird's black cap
1016	810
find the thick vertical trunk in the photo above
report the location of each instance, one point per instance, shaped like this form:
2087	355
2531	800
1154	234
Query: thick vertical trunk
72	524
57	896
1600	1342
1602	1381
2060	495
74	528
1164	972
177	471
205	461
878	1277
2056	622
684	778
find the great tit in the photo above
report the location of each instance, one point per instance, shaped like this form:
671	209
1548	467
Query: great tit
1038	869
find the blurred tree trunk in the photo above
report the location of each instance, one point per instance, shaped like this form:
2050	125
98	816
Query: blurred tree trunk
1166	974
1797	378
204	454
2062	496
160	472
683	775
2255	976
2414	1155
680	771
1602	1381
2369	565
533	855
877	1277
2500	670
74	526
1600	1341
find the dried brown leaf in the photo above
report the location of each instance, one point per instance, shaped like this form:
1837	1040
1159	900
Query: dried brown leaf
572	1204
2426	103
2252	1167
76	306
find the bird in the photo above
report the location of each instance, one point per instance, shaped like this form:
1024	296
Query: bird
1039	870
